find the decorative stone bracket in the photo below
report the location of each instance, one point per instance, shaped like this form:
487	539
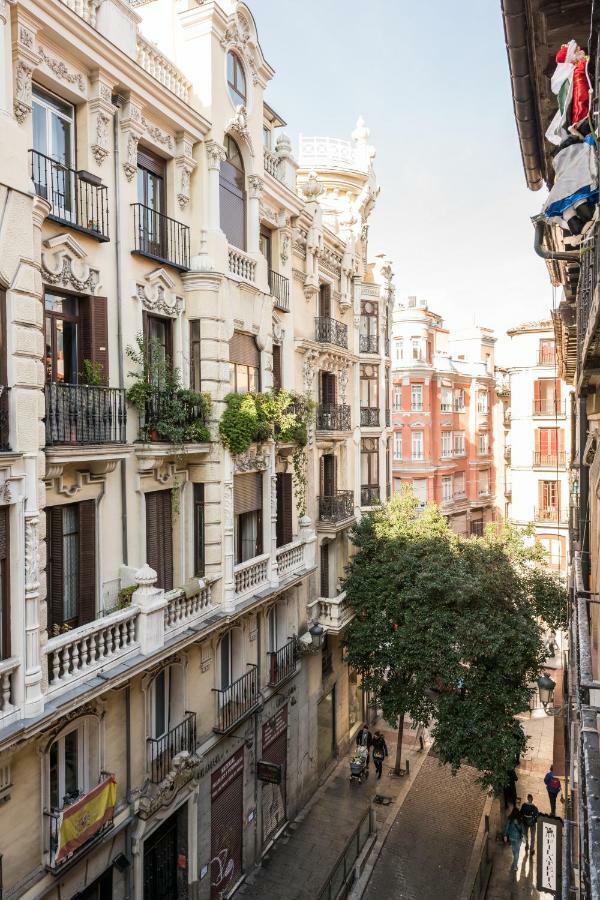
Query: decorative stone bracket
101	114
63	264
185	165
158	295
25	59
132	126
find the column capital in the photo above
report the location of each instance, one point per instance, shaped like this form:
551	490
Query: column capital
216	155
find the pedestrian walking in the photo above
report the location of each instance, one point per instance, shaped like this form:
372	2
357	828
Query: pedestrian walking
420	736
554	787
380	751
510	790
529	816
364	738
514	833
551	645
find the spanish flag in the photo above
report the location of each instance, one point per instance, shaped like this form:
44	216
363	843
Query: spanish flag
86	817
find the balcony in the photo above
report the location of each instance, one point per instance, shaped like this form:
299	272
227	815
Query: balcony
369	417
162	750
272	163
476	529
78	198
368	343
186	419
236	702
95	807
241	265
369	495
251	574
333	613
4	418
336	507
549	460
282	664
551	514
551	408
544	358
84	414
161	238
156	64
333	417
8	672
290	559
279	286
330	331
186	605
83	652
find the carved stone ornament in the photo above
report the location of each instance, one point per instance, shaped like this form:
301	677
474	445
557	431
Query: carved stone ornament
130	164
32	563
251	462
63	264
6	494
61	71
158	295
308	369
184	769
256	186
22	98
185	166
54	478
216	154
156	134
100	147
238	36
4	13
238	125
284	251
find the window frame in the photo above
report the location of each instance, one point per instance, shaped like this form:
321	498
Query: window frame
417	434
199	524
50	103
51	318
369	458
447	488
416	390
233	88
5	610
83	768
397	445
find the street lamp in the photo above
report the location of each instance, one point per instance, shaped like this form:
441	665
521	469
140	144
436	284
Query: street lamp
546	688
317	633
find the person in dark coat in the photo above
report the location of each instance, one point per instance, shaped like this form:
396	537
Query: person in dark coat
364	738
510	790
380	751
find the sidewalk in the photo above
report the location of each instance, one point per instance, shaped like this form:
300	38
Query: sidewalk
503	883
297	866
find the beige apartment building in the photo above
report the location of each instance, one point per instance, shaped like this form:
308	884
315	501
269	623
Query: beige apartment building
172	683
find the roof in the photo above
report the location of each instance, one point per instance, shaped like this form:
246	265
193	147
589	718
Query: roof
542	325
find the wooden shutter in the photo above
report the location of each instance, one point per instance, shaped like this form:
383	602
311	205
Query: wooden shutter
94	337
277	383
4	583
538	440
87	561
159	537
247	492
199	526
557	392
327	385
195	361
54	542
284	508
243	350
325	300
329	486
324	570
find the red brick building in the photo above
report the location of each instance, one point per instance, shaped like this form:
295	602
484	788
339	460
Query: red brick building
443	411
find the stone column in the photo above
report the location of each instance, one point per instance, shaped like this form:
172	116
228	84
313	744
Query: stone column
33	699
152	603
272	531
5	58
255	189
215	156
228	536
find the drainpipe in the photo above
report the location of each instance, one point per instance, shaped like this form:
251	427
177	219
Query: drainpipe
540	227
119	271
128	786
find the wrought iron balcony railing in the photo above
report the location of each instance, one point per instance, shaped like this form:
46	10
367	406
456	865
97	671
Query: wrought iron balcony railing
60	852
369	494
183	415
4	418
551	514
279	286
85	414
551	407
333	417
236	702
161	238
549	460
369	416
162	750
476	529
336	507
282	663
330	331
78	198
368	343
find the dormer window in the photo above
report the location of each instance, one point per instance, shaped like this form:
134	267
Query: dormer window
236	79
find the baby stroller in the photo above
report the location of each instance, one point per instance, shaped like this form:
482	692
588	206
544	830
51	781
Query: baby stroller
358	765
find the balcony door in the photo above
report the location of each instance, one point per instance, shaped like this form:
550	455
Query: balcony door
62	322
54	152
325	301
247	508
328	475
4	584
151	196
159	537
71	541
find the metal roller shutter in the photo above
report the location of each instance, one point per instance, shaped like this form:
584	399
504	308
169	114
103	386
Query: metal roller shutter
247	492
227	810
274	744
243	349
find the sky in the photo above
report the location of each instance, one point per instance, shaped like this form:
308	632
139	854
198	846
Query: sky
432	83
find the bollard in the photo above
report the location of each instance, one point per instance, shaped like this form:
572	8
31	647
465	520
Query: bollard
407	770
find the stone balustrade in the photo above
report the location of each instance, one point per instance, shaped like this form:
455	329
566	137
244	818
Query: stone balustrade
87	9
251	574
8	669
290	558
272	163
333	613
156	64
241	265
76	654
185	605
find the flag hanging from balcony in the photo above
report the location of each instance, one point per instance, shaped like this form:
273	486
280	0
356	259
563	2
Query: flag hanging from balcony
85	818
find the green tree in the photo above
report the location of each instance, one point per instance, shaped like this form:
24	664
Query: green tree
448	630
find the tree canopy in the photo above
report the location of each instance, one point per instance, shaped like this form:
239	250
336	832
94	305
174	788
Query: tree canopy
448	629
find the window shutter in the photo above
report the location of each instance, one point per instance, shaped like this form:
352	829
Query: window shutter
159	537
284	508
561	440
153	557
557	391
247	492
325	300
538	440
54	541
94	338
4	584
87	561
277	383
243	350
232	205
167	538
149	160
324	570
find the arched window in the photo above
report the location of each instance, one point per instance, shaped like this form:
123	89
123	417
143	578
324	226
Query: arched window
72	763
236	79
232	195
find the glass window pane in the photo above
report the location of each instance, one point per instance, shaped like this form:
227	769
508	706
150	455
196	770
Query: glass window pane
72	786
60	131
242	379
225	661
159	705
40	138
70	561
54	789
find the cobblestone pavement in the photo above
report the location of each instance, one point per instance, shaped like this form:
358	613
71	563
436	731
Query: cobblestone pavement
298	865
429	846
